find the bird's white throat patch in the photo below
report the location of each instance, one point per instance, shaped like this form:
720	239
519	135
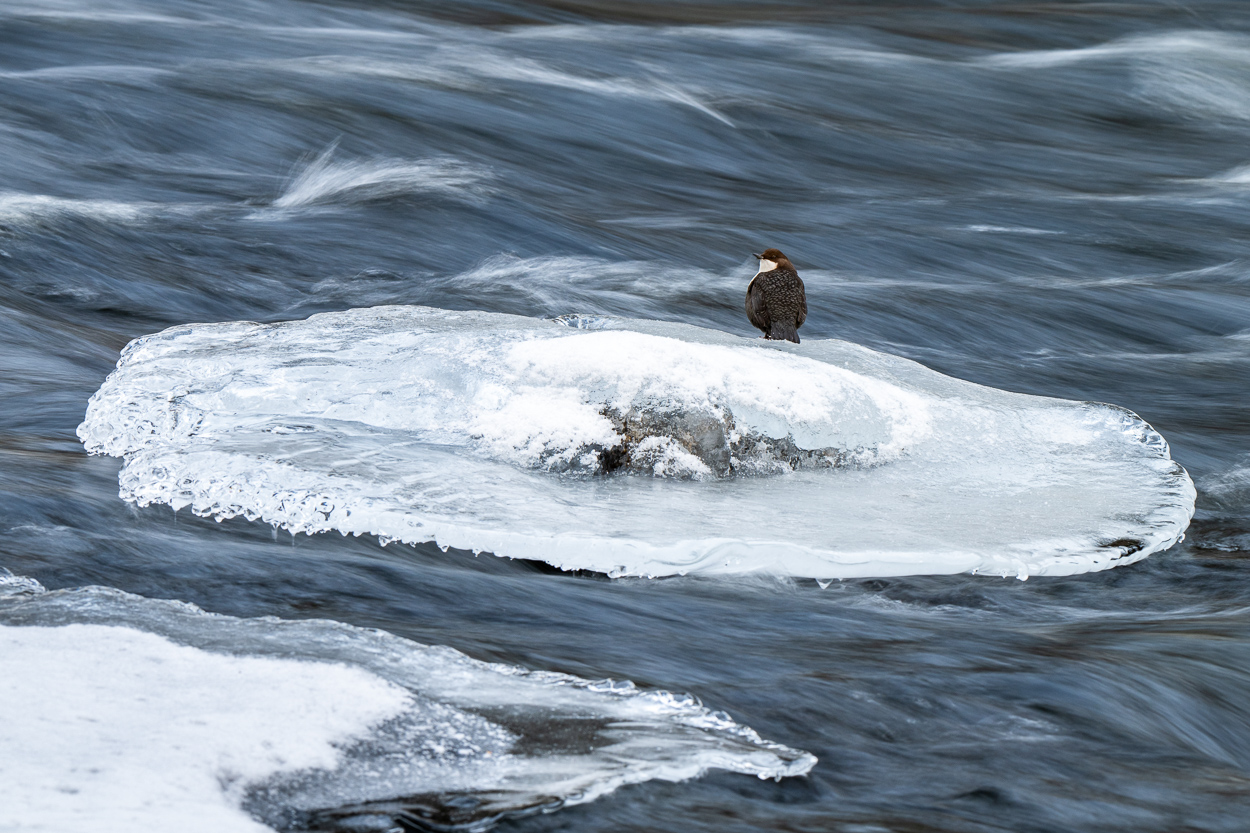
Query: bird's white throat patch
767	265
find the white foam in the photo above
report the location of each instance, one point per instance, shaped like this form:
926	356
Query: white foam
119	713
324	180
87	72
494	65
419	424
1166	44
1237	176
820	46
1195	73
982	229
465	65
19	208
87	12
1228	492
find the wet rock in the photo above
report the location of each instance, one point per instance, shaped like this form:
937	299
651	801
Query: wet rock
686	444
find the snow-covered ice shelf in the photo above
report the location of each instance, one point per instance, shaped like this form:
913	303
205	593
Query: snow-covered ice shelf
630	447
122	713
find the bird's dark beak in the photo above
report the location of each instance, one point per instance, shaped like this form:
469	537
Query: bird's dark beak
757	257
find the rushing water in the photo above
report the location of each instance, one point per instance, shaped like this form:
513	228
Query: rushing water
1043	198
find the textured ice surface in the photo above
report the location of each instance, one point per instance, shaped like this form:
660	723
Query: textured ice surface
630	447
120	713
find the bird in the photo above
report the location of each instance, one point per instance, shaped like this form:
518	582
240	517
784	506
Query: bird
776	300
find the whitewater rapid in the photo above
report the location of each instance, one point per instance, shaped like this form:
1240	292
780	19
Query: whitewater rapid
630	447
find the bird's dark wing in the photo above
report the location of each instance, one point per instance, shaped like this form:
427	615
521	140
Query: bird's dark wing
802	302
757	309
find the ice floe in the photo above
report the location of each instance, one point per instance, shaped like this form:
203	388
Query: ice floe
121	713
630	447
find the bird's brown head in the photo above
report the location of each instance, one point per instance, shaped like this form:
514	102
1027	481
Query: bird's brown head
774	257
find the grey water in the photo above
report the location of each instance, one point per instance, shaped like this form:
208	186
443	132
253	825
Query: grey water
1050	198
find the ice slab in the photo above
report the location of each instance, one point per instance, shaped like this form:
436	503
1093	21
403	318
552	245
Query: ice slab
121	713
630	447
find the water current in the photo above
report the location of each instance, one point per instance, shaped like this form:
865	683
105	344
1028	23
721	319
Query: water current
1042	198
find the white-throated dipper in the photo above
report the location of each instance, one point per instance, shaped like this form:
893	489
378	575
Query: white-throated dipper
776	300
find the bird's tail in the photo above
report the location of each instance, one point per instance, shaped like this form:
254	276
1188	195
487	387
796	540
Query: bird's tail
781	330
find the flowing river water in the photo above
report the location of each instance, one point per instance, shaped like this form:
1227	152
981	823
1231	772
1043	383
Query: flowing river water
1044	198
